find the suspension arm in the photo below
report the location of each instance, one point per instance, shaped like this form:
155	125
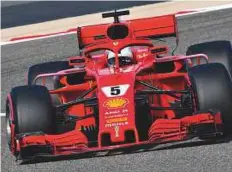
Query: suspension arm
158	91
79	100
163	92
74	102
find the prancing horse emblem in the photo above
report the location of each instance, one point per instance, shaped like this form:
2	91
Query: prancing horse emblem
115	43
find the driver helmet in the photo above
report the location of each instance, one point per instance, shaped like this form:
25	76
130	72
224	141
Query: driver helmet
125	57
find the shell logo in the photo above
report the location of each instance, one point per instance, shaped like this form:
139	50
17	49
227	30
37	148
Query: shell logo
116	103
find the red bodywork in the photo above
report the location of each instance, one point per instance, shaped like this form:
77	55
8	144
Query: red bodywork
117	112
139	28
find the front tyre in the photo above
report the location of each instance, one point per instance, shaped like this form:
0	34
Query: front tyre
212	86
28	109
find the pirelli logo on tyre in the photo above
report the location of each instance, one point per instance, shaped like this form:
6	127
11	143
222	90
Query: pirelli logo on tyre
115	103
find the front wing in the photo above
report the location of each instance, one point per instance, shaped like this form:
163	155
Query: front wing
203	125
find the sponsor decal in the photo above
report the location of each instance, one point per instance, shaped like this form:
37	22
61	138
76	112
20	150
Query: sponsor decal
140	56
116	116
116	124
115	103
115	120
116	113
112	112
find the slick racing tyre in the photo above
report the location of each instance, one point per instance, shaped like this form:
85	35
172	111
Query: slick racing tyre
29	109
212	86
53	82
52	67
217	51
49	67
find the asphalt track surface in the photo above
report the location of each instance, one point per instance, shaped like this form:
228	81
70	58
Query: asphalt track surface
14	14
190	156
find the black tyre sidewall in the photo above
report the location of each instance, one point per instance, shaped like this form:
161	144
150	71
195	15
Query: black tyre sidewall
49	67
33	110
212	86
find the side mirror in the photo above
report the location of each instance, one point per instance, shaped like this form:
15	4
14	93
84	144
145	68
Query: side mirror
159	50
76	61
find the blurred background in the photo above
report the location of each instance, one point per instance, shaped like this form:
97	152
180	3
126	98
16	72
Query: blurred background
18	13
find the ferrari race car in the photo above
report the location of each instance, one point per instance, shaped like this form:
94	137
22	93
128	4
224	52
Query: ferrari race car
122	91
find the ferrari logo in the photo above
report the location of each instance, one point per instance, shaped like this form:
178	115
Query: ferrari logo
115	43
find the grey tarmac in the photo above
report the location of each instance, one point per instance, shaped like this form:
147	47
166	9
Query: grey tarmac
191	156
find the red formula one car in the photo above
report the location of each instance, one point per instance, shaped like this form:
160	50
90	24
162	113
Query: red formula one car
122	91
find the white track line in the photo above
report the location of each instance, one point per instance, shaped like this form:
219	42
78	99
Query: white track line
32	39
205	10
2	114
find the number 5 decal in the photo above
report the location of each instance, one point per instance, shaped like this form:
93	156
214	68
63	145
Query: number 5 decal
114	91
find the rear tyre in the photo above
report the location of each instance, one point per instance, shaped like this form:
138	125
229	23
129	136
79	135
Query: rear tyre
212	86
217	51
49	67
53	82
52	67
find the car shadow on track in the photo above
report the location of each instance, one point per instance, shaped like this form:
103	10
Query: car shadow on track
133	150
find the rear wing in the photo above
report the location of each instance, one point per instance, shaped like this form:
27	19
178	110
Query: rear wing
154	27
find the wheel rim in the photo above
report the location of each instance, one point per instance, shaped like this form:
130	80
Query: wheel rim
8	124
